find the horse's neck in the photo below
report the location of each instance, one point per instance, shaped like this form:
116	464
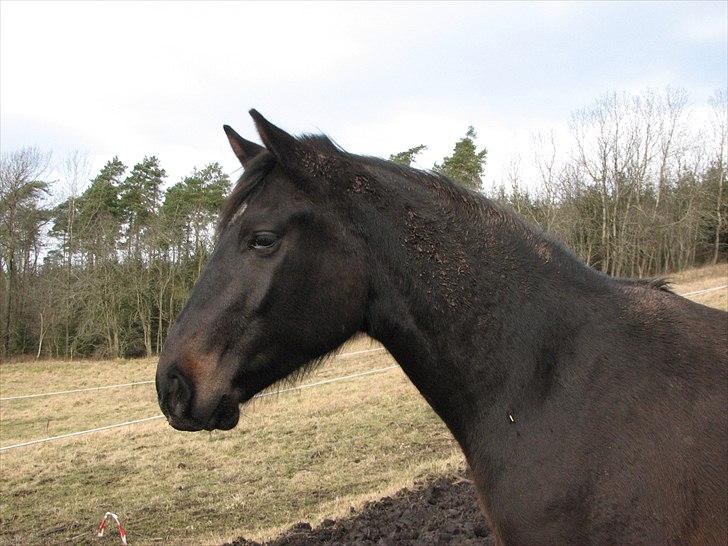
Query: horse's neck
462	299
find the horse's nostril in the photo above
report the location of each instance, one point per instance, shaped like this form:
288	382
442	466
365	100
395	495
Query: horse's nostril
179	393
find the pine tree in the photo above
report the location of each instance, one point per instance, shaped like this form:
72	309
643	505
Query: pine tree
466	164
191	206
139	196
408	156
99	214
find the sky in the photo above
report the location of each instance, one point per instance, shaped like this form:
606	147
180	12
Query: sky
161	78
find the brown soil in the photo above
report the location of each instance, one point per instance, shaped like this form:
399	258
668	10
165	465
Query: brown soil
440	511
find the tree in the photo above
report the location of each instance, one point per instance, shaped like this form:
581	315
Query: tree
61	314
408	156
466	164
190	207
638	192
100	214
21	218
100	218
719	105
139	195
188	217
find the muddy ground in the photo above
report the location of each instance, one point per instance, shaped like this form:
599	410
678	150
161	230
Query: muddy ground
440	511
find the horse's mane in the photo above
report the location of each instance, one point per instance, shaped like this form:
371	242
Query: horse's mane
455	193
656	283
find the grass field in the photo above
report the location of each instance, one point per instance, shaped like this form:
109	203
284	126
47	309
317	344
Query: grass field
306	455
694	280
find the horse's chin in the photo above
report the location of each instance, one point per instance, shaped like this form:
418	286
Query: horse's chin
226	421
179	423
226	415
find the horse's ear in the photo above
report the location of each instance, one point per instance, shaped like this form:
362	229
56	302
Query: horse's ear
244	149
279	143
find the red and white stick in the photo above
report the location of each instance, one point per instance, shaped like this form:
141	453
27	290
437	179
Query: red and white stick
105	523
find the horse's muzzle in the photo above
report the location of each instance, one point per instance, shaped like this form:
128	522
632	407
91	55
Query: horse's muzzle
176	395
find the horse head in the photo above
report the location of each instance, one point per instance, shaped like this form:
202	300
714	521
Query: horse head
284	285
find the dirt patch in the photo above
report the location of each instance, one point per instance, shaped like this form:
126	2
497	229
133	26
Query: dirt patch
439	511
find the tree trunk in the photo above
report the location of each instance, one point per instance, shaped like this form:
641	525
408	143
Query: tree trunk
8	304
40	338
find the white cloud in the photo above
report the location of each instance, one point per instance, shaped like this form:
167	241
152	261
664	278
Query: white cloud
161	78
705	28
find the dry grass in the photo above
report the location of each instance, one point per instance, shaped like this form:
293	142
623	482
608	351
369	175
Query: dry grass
693	280
308	455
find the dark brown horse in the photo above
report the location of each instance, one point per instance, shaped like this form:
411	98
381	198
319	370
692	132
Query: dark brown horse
591	410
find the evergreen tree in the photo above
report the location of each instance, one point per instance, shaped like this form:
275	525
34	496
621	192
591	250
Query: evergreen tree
408	156
139	193
99	213
466	163
139	196
643	201
191	206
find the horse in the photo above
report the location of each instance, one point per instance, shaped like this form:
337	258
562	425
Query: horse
590	409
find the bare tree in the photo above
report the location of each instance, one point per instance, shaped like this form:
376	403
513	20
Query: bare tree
640	190
75	170
719	105
21	217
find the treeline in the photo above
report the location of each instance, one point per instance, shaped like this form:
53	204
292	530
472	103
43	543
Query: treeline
104	272
640	190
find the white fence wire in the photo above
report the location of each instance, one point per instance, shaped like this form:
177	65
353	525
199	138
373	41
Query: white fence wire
156	417
695	293
342	356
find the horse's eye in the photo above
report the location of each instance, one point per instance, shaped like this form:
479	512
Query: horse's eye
264	240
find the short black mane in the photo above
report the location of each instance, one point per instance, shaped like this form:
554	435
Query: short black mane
322	145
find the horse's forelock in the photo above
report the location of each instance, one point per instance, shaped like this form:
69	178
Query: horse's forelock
253	175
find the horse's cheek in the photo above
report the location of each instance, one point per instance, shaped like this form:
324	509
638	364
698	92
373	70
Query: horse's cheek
346	293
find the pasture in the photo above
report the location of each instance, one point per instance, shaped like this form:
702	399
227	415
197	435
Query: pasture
304	455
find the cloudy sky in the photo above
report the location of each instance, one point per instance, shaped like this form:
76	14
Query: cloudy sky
138	78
